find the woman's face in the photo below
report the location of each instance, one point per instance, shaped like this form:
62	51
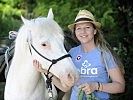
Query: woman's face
85	32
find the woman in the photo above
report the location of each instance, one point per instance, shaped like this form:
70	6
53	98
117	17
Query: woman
95	60
101	72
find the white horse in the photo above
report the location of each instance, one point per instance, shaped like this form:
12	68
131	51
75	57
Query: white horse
44	36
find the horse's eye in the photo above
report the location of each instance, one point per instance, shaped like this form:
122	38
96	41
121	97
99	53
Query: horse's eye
44	44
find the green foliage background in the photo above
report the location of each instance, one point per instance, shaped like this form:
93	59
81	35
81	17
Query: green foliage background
116	17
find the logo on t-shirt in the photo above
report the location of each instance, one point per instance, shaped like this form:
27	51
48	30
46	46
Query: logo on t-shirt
78	57
87	70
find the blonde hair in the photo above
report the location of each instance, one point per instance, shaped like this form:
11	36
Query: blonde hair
105	47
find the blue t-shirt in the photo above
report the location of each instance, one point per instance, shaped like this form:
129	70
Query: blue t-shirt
92	69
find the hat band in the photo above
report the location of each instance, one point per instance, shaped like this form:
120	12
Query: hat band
83	19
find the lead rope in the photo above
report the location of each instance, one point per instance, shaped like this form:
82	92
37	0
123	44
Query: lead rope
89	96
49	86
7	54
12	36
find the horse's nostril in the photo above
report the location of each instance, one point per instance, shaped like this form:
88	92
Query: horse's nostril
71	78
68	79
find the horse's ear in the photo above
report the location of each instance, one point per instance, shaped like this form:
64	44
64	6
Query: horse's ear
24	20
50	14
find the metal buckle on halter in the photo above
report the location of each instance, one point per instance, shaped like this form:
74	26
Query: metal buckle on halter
49	86
50	93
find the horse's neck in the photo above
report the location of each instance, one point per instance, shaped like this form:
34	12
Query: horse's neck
22	63
21	56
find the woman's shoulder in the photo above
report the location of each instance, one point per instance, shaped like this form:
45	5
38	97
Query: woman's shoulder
76	48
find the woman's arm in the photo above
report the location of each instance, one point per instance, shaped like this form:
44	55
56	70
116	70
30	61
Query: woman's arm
116	86
118	83
55	80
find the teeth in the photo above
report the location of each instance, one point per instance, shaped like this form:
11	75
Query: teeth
83	36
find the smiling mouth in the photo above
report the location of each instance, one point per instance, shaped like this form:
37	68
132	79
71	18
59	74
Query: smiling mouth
84	36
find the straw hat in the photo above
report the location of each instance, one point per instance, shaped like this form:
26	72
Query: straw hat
84	16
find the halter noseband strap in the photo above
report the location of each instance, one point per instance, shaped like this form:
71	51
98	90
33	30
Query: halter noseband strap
54	61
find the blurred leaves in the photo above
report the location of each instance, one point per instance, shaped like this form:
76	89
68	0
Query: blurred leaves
116	17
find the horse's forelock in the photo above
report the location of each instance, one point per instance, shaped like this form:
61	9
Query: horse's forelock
49	26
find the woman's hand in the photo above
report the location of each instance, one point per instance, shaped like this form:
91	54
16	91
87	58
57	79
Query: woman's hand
55	80
38	66
89	87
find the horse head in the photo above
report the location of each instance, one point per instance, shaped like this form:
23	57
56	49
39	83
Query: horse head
48	39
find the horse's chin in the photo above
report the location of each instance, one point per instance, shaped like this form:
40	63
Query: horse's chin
68	80
65	85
